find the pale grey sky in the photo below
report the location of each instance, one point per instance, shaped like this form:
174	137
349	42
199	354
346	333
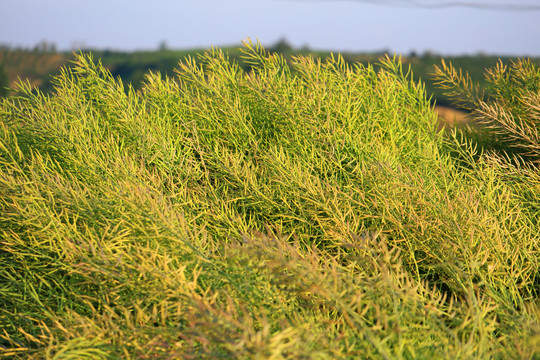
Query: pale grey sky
353	25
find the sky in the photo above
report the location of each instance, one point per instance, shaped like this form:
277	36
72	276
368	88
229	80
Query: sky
445	27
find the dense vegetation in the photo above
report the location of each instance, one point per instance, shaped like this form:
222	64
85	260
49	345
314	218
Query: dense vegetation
297	210
39	63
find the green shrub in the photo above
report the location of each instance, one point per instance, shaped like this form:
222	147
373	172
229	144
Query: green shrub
302	211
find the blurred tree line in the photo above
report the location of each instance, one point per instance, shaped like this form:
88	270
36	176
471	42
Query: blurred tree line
4	82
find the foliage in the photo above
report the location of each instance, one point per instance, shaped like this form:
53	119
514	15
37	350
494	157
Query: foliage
506	121
294	211
131	67
282	46
474	65
4	82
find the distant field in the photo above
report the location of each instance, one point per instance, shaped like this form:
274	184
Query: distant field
34	66
449	116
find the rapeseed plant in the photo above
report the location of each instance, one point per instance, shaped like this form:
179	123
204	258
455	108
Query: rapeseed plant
303	210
